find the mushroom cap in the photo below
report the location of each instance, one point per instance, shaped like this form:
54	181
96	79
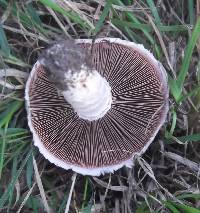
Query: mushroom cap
139	108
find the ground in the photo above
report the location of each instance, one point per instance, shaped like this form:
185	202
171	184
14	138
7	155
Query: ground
166	177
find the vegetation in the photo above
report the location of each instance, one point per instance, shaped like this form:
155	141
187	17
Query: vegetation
166	178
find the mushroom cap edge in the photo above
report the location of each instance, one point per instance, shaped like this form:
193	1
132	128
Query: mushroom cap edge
105	169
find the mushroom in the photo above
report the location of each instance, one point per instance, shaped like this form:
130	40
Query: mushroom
93	106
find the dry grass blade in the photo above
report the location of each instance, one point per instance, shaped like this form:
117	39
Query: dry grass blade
10	72
114	188
25	199
172	54
148	170
106	192
122	8
17	187
162	44
97	11
192	165
119	31
160	40
26	33
70	193
58	22
117	206
83	6
10	86
97	208
69	5
40	186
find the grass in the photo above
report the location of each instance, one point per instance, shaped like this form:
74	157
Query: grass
159	181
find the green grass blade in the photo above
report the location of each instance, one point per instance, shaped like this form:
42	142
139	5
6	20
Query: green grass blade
62	205
17	151
6	116
184	139
188	54
143	208
132	25
154	11
189	195
13	132
29	172
148	27
6	194
174	118
194	92
23	18
35	18
191	11
130	33
13	172
190	138
174	89
4	46
133	19
73	16
85	193
33	14
186	208
2	148
16	61
103	16
34	203
87	209
172	208
3	3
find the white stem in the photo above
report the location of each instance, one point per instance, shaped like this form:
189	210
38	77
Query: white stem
88	93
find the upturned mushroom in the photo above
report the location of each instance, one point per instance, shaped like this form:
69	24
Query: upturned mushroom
93	106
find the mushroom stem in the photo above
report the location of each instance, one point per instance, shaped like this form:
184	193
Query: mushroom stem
71	70
88	93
